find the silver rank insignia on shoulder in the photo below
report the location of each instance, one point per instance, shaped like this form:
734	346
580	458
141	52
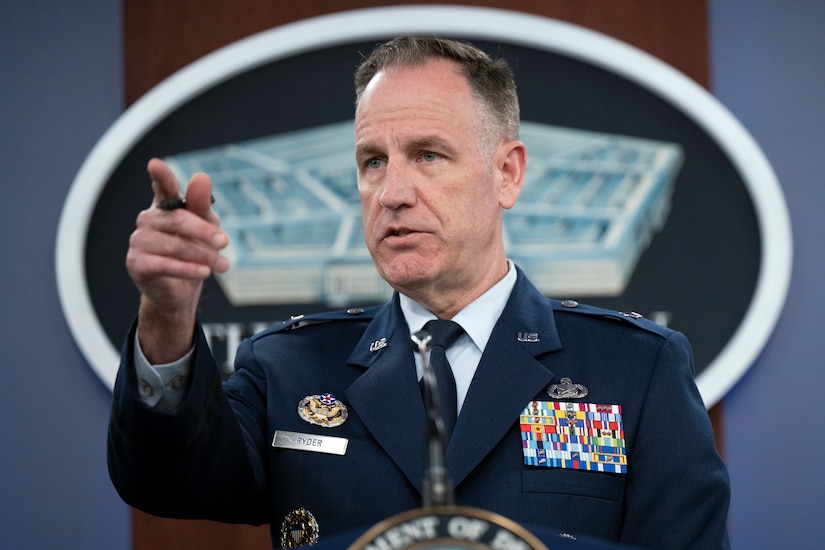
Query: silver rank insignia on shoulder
566	389
323	410
631	314
299	529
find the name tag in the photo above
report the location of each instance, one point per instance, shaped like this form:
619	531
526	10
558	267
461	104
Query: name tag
310	442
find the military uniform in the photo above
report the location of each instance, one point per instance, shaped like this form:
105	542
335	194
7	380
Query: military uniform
218	456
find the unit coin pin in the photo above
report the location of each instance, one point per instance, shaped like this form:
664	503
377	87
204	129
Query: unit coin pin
299	528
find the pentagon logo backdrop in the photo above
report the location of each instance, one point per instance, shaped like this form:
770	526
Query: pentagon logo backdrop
642	192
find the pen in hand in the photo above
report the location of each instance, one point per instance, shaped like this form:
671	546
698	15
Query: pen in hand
174	204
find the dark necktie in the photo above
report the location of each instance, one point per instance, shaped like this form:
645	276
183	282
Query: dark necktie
444	334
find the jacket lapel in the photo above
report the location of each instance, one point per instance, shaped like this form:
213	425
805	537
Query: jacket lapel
388	400
509	375
386	397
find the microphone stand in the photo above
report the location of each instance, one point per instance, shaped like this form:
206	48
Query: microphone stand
404	531
438	487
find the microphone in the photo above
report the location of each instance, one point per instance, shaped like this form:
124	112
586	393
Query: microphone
438	487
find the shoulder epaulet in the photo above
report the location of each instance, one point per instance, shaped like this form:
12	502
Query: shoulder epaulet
631	317
298	321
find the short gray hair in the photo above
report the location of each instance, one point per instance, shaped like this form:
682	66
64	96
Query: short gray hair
491	80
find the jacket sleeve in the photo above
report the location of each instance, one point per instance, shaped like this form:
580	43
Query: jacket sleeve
678	491
198	462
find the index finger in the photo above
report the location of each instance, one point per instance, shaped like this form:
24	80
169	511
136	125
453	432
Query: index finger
164	184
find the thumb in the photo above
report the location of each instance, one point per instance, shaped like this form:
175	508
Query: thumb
199	195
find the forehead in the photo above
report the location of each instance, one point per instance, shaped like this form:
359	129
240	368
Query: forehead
433	93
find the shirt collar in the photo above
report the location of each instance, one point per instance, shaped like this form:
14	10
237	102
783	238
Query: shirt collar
477	319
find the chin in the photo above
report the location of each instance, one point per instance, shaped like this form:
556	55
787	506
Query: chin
406	276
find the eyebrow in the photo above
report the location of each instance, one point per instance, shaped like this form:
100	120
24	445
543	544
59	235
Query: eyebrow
426	142
366	149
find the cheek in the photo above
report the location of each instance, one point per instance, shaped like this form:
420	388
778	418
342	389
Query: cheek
369	210
476	222
477	207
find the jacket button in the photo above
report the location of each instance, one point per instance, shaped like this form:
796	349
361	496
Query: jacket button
570	303
355	311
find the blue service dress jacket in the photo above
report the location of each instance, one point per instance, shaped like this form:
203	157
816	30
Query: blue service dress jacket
214	457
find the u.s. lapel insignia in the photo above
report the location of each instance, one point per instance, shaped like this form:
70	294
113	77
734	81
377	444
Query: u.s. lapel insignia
566	389
378	344
323	410
299	528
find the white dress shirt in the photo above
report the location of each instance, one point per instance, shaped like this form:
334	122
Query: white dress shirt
477	320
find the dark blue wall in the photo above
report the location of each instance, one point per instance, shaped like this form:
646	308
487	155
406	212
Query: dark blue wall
768	68
61	87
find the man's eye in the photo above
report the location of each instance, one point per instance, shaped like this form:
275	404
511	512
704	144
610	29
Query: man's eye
373	164
429	156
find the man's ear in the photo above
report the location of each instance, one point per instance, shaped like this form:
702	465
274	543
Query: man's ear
511	162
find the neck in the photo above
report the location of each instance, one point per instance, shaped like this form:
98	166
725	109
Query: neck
446	303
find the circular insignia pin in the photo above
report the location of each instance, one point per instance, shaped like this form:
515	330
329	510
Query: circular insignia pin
322	410
566	389
299	528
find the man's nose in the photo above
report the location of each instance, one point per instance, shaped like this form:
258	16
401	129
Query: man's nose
398	188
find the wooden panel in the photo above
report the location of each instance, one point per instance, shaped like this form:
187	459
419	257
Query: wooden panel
153	533
161	37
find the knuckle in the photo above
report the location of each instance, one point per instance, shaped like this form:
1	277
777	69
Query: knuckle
135	264
135	238
143	217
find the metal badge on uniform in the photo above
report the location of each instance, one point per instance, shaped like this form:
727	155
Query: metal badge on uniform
299	528
323	410
577	436
378	345
566	389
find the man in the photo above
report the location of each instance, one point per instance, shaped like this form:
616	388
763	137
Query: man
323	422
